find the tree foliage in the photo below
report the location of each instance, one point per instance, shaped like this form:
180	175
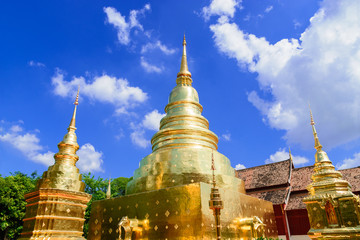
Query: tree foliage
97	188
16	185
12	202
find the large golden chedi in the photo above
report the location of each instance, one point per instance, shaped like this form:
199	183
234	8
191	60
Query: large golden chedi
334	211
169	195
56	209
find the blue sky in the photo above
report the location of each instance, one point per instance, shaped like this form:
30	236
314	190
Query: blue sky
255	64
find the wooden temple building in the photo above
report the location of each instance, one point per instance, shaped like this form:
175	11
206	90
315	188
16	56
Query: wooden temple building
285	186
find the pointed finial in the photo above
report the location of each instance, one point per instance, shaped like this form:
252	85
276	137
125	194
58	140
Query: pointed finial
290	156
76	103
311	116
184	70
108	192
77	97
312	123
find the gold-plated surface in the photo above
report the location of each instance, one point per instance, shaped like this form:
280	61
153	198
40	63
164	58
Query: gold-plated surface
182	212
334	211
171	189
56	209
183	146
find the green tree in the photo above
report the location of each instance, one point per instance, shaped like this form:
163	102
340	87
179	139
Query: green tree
97	188
12	202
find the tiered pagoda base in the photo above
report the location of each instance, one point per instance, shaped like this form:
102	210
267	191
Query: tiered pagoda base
181	212
54	214
345	220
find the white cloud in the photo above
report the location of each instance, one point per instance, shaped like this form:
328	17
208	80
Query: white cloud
282	155
321	67
28	144
157	45
239	166
268	9
105	89
221	7
89	159
138	138
16	128
226	137
122	26
152	120
350	162
36	64
149	67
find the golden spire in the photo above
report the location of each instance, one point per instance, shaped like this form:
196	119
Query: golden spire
290	156
64	174
312	123
108	192
184	70
76	103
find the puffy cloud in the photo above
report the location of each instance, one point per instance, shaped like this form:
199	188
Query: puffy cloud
35	64
226	136
122	26
157	45
321	67
16	128
104	89
239	166
282	155
89	159
138	138
28	144
221	7
350	162
149	67
152	120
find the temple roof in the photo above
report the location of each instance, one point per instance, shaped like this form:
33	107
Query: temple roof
301	178
270	182
268	175
276	196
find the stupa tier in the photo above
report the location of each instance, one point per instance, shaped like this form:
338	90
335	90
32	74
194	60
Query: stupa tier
183	146
56	209
334	211
169	195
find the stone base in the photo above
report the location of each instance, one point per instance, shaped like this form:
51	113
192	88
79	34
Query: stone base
54	214
181	212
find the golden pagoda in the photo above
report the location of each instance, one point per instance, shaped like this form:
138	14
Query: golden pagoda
169	195
56	209
334	211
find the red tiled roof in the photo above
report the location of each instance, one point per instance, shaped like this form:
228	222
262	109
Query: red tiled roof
301	178
296	201
266	175
277	196
352	175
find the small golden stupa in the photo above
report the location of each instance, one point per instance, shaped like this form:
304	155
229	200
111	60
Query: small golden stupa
56	209
169	195
334	211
